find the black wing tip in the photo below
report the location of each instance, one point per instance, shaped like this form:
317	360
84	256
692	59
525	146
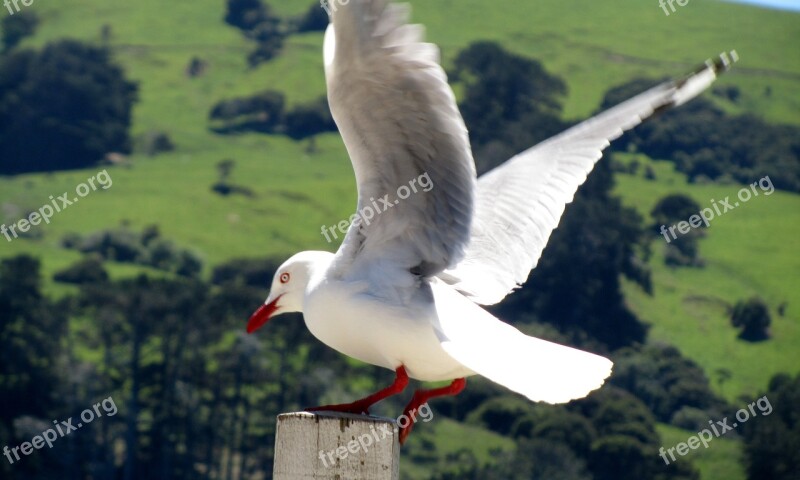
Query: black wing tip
718	65
722	63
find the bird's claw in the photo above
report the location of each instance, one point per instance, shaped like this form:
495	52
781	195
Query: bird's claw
404	432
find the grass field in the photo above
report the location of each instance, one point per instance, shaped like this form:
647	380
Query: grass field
720	460
592	45
449	438
751	250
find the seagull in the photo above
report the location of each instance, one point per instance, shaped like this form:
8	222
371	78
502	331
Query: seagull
404	290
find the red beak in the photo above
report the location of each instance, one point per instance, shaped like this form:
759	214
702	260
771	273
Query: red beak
262	316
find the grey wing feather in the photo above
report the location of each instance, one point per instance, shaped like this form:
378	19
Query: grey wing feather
399	120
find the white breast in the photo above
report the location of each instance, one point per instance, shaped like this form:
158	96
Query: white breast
348	319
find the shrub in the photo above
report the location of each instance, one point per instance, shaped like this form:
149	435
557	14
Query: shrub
499	414
87	270
752	317
254	272
227	188
16	27
188	264
260	112
309	119
196	68
116	245
690	418
154	142
146	248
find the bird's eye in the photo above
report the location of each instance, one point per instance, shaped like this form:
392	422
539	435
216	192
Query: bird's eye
285	277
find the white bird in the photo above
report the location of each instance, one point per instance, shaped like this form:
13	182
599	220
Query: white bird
402	289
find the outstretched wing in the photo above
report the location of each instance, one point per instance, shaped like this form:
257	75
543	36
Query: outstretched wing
520	202
405	137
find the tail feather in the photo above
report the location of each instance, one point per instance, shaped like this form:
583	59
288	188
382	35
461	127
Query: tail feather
540	370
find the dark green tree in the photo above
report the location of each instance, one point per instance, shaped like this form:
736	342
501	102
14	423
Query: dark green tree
502	87
681	248
18	26
87	270
31	329
257	21
665	381
261	112
268	36
627	442
541	459
557	424
674	207
246	14
500	414
153	334
63	107
314	20
772	439
510	102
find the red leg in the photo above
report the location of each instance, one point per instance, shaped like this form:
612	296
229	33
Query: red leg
421	397
362	406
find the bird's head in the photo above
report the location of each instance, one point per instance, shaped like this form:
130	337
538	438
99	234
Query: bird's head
289	286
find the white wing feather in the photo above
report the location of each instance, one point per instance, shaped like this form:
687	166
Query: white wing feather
520	203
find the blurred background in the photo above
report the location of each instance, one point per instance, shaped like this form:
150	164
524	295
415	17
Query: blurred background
207	124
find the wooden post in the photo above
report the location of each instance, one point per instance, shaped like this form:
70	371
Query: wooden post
332	445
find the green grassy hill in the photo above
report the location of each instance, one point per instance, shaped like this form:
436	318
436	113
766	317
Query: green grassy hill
592	45
750	250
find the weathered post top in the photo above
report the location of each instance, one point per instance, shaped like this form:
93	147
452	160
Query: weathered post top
332	445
